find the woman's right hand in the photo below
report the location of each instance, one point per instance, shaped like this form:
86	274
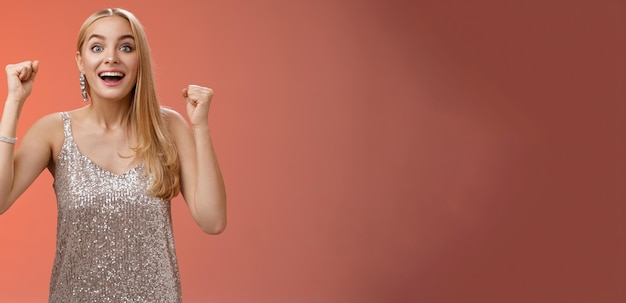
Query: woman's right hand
20	78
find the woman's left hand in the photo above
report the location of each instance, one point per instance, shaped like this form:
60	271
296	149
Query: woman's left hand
198	99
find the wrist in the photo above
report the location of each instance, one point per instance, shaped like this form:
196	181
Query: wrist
202	126
13	102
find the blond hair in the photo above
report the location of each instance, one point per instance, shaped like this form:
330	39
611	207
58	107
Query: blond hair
155	146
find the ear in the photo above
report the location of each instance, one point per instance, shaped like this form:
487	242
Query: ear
79	61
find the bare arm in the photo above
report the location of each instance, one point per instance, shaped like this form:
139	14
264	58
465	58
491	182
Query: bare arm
202	184
19	170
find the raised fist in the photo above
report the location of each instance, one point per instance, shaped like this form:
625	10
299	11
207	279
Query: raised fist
198	99
20	78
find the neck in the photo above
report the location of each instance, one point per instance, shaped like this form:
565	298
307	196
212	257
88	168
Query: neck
109	115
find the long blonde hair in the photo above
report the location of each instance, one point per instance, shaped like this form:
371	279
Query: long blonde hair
155	146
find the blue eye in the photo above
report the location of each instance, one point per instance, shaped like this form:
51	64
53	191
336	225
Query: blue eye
96	48
126	48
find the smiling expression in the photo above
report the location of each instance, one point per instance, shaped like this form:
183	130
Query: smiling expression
109	60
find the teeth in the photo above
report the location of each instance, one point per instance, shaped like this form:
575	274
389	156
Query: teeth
111	74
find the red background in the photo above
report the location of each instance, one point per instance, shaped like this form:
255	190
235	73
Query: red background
373	151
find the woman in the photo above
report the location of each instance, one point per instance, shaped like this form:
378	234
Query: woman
117	162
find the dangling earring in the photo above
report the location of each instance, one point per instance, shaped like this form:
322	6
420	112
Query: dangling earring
82	87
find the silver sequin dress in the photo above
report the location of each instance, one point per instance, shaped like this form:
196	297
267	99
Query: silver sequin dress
114	242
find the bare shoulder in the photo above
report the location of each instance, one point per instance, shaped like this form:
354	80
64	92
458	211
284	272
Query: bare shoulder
48	126
174	120
168	113
42	141
47	133
181	133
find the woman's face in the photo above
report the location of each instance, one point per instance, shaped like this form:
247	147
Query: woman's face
108	59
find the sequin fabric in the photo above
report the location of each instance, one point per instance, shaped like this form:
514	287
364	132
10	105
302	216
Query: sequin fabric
114	242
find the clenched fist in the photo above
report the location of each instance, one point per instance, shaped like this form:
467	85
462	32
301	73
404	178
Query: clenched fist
20	78
198	99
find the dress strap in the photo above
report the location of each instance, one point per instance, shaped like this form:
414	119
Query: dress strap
67	129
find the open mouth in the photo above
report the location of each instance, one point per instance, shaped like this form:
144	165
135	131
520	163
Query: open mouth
111	77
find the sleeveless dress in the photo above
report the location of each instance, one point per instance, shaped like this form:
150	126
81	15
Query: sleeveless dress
114	241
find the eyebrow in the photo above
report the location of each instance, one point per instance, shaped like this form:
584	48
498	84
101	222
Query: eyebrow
96	36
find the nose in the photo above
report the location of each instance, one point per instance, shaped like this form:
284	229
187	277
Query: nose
111	58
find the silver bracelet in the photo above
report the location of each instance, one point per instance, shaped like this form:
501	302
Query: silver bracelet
8	140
